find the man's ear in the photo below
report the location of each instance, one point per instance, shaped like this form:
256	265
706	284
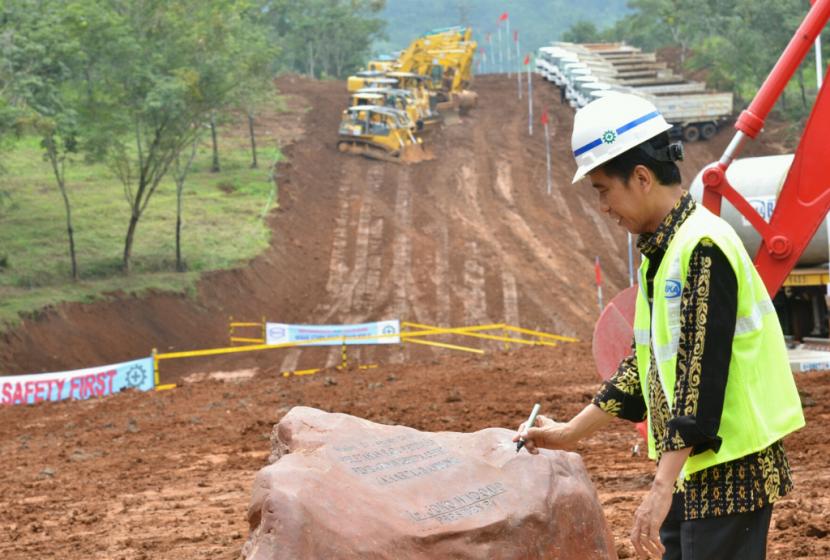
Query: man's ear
643	178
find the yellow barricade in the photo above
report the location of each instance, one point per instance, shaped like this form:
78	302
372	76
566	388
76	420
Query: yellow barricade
409	336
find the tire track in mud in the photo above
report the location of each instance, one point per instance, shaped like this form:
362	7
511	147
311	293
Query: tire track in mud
355	290
511	298
347	306
344	295
557	266
442	277
338	265
401	274
475	296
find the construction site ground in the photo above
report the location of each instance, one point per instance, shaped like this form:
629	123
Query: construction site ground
468	238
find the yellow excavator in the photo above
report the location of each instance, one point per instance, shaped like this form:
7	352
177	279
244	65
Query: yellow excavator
369	78
451	74
425	101
380	133
445	57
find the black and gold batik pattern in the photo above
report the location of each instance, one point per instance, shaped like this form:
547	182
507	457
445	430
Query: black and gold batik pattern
708	311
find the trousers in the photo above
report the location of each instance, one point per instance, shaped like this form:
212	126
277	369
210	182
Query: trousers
741	536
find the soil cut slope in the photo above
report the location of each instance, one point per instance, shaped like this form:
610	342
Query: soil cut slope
468	238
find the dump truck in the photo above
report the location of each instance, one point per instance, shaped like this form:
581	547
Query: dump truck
591	70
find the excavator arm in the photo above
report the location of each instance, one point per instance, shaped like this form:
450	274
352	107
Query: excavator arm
801	207
804	199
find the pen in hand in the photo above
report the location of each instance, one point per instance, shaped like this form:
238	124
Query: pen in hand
530	421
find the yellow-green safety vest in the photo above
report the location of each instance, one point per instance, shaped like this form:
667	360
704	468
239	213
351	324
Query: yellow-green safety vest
761	404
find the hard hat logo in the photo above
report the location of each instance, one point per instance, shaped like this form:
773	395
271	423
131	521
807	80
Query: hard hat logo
610	126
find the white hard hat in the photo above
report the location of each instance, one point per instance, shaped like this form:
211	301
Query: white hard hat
611	125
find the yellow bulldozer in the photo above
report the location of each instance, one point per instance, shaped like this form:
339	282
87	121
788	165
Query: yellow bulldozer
397	98
382	133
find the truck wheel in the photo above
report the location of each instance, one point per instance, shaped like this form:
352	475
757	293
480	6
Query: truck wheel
708	131
691	133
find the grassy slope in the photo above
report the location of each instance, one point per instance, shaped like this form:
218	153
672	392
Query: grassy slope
223	225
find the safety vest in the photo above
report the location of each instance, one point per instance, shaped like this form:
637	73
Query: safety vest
761	404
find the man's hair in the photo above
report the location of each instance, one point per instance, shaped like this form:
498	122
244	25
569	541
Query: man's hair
623	165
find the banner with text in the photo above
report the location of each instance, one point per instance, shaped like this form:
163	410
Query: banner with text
280	333
79	384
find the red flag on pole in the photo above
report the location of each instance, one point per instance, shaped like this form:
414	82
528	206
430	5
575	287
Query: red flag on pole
503	17
527	59
545	117
515	36
597	271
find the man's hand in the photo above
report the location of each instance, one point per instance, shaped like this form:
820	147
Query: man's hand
645	535
545	434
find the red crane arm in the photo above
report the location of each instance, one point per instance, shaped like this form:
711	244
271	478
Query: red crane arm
805	197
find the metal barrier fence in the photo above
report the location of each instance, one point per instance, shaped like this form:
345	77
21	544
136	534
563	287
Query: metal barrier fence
508	334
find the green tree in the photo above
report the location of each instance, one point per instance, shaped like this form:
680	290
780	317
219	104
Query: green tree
165	68
36	75
582	31
325	37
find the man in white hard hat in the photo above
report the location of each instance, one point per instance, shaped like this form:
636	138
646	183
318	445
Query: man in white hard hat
708	367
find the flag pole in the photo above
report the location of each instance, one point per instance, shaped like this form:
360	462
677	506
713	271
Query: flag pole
529	98
547	149
598	275
507	40
519	69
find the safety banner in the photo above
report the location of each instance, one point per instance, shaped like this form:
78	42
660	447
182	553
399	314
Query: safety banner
366	333
79	384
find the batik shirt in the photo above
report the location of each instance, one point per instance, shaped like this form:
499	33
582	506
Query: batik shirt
708	311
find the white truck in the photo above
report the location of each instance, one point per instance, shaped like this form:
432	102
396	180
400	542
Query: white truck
589	71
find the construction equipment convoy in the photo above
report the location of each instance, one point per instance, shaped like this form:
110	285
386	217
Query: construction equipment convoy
777	204
431	75
588	71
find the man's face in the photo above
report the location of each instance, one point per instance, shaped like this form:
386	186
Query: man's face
623	201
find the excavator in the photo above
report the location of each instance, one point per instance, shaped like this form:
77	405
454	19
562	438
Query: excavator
425	102
446	59
800	208
369	78
380	132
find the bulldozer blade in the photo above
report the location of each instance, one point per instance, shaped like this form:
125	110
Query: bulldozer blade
415	153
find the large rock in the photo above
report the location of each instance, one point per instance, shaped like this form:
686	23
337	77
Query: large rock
340	487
